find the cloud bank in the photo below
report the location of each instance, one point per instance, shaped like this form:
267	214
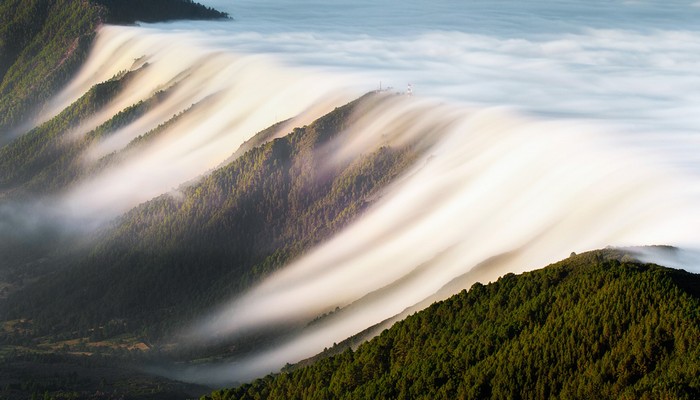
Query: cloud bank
498	190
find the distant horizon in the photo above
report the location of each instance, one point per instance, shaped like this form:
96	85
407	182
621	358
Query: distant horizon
628	68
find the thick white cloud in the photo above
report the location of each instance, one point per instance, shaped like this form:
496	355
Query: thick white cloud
500	190
494	185
640	87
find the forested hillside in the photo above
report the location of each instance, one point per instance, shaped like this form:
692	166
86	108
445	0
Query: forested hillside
44	42
170	257
96	311
42	45
46	158
594	326
130	11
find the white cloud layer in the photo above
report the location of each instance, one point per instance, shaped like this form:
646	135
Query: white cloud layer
495	184
499	191
620	164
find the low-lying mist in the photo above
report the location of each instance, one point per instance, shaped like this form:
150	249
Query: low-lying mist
535	143
495	192
222	100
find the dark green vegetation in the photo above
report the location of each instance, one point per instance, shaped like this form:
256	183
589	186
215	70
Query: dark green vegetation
596	325
130	11
47	157
170	258
216	237
78	321
44	42
54	376
47	160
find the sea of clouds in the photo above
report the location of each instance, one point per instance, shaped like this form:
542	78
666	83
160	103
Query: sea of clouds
558	126
617	163
627	66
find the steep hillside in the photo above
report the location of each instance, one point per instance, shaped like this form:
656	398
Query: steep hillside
44	42
597	325
46	158
170	257
42	45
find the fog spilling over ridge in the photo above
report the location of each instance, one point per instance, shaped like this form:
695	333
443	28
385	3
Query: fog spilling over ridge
627	66
223	99
549	129
640	86
498	193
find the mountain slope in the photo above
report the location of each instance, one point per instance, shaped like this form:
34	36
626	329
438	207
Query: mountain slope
44	42
44	159
131	11
174	255
597	325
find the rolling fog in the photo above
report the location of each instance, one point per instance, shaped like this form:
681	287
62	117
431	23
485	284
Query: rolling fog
551	127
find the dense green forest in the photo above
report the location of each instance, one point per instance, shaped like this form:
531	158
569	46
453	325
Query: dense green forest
46	157
595	326
80	320
47	160
38	55
44	42
130	11
170	257
50	157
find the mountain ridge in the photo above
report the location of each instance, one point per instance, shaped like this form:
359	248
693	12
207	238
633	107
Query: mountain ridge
259	211
112	301
596	325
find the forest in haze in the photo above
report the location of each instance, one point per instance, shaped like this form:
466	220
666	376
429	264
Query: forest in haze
98	304
228	230
44	42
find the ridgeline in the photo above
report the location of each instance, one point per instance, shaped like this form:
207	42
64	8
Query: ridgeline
595	326
172	257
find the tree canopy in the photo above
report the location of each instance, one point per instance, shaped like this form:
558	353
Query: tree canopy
597	325
214	238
